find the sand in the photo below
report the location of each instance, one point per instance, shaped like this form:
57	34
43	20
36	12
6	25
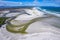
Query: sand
46	29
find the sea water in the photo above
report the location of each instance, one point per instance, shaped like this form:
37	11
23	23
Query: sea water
55	10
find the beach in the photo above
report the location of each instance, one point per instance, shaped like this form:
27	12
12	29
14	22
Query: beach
45	29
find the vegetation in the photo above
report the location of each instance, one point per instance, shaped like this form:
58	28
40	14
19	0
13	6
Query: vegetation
2	20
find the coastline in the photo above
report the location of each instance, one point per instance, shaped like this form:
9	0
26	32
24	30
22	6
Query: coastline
44	29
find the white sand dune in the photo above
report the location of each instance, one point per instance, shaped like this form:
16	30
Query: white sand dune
46	29
41	30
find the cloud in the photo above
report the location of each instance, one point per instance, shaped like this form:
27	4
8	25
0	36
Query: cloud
42	3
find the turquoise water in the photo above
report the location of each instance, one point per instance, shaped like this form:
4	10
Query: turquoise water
52	9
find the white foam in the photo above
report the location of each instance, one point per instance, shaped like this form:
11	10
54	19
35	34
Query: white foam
53	13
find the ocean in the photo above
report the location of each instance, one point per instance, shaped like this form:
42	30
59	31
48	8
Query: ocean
52	9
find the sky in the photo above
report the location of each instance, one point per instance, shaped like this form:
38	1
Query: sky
22	0
30	2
